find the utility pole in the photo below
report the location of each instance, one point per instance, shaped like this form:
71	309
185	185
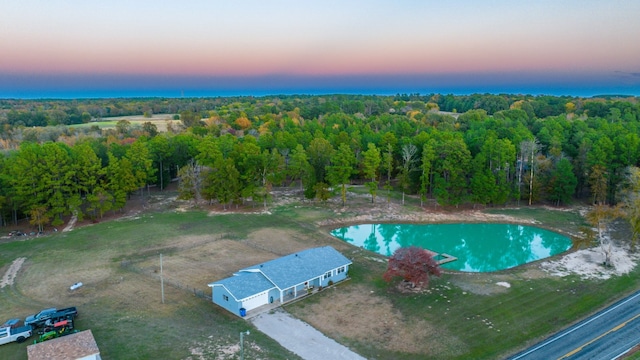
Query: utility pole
242	334
161	279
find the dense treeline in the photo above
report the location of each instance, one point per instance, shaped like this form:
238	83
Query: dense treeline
475	149
16	112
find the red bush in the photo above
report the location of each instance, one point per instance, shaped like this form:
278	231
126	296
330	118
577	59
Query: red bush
413	264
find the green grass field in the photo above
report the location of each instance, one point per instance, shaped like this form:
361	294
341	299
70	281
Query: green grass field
160	120
124	311
122	308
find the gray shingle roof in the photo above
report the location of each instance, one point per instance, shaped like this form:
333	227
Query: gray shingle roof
294	269
245	284
284	272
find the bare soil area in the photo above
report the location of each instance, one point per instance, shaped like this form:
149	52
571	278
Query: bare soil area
196	261
10	274
358	313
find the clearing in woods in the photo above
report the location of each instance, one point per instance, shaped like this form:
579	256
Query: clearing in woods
199	247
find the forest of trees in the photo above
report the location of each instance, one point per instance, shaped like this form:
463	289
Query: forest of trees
477	149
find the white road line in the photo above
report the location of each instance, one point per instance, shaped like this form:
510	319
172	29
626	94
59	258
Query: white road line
576	328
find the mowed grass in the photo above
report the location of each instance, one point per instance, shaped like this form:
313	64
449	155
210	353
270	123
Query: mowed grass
124	311
493	326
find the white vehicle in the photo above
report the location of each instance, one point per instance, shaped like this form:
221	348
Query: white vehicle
9	334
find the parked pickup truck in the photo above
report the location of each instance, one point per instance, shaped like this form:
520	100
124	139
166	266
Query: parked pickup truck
12	323
52	315
19	334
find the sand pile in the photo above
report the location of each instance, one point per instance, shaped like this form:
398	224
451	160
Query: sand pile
589	263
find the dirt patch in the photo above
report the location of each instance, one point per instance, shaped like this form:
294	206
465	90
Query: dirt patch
201	260
356	313
589	263
71	223
533	272
278	241
10	275
221	351
478	287
201	265
383	212
56	289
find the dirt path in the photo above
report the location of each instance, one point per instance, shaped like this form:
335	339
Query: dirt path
10	275
72	222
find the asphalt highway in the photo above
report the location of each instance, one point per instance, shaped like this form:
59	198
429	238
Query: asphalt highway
607	334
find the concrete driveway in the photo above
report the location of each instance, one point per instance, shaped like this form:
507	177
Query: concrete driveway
300	337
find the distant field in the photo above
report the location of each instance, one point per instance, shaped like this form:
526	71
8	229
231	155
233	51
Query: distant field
159	120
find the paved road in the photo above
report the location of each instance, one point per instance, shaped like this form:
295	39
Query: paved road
605	335
301	338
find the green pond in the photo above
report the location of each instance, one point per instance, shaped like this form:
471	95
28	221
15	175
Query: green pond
477	247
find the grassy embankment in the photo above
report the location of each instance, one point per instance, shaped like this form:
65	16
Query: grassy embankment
124	310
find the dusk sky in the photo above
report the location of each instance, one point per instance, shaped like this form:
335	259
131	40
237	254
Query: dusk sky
88	48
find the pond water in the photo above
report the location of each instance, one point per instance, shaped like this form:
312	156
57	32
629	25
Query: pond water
477	247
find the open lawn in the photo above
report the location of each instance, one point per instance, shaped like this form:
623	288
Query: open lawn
461	316
159	120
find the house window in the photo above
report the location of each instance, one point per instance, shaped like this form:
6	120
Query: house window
341	270
327	275
225	298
